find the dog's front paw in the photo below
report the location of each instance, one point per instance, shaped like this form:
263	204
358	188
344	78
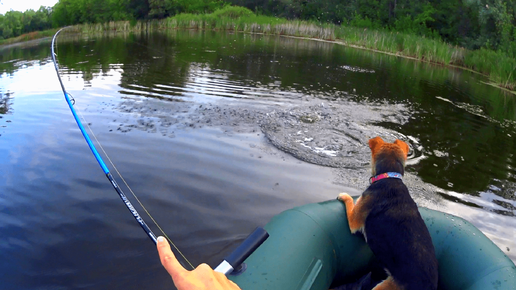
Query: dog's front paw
344	196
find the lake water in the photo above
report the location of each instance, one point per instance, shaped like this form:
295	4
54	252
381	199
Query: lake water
216	133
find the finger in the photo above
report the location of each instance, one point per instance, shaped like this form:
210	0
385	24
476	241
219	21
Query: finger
225	282
168	259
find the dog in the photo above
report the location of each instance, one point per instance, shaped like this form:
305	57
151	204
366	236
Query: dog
390	222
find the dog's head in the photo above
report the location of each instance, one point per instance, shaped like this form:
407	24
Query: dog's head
388	157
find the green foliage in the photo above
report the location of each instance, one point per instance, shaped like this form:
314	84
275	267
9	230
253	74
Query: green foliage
157	9
29	36
418	24
69	12
15	23
192	6
498	65
233	12
497	20
364	22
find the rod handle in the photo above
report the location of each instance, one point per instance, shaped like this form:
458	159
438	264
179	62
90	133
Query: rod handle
244	250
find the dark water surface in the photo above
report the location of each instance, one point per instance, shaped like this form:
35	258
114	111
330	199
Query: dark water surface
216	133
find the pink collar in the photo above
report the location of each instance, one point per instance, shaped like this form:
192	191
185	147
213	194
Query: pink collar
385	175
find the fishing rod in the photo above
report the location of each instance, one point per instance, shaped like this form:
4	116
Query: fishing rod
113	182
233	263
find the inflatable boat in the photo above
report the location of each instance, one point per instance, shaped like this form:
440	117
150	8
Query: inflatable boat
311	248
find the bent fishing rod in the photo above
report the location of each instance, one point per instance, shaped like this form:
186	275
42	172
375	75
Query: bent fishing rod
233	263
113	182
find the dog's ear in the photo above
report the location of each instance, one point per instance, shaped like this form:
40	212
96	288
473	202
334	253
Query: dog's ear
375	144
404	147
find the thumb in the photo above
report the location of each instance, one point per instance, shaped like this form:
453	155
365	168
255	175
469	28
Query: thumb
168	259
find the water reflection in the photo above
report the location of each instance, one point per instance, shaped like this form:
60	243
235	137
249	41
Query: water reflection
4	102
23	55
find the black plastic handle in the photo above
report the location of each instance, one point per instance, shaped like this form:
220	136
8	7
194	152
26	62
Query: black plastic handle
247	247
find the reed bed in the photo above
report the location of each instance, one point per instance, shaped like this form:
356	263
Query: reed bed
28	36
498	66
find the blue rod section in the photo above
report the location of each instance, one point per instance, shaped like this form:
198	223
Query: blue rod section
81	127
86	136
128	204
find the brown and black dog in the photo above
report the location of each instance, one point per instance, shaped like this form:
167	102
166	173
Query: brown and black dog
391	224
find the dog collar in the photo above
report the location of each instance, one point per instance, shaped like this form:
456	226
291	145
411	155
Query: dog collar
385	175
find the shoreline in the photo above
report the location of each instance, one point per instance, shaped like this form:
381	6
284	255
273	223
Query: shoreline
25	42
282	27
27	38
392	43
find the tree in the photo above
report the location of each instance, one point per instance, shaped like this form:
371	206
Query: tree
497	20
139	8
192	6
66	12
13	21
157	9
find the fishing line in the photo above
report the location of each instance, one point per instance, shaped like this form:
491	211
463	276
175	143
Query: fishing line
132	192
71	102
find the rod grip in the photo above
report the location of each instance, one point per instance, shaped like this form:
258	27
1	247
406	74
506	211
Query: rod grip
247	247
244	250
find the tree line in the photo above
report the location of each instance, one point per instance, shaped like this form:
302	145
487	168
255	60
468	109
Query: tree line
68	12
471	24
15	23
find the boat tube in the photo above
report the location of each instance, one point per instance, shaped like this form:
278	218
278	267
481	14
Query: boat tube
311	248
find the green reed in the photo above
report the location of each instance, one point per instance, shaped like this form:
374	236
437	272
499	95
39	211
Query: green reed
28	36
499	66
496	65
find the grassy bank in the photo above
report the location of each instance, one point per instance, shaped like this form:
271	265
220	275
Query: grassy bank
28	36
499	67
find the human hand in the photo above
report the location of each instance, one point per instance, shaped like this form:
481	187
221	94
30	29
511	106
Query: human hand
202	278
